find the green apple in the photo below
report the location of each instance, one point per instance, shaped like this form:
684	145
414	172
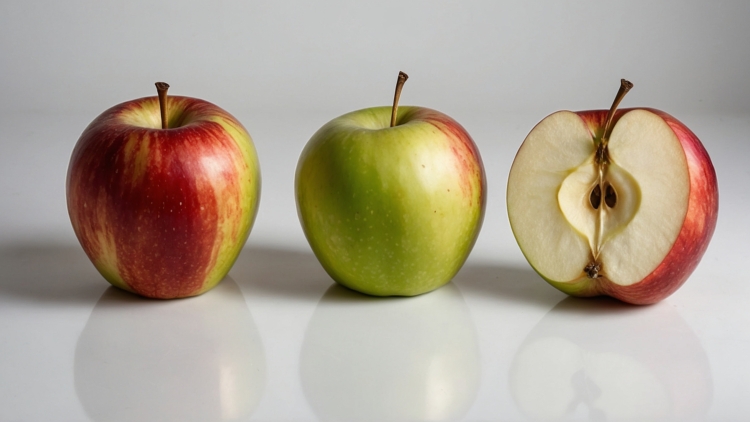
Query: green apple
391	209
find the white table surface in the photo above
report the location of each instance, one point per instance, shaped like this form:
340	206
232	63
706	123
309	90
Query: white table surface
278	340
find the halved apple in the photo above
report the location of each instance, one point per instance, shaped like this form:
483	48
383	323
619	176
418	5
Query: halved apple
618	203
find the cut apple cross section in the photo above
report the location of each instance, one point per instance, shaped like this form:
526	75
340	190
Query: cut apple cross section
598	201
619	203
646	190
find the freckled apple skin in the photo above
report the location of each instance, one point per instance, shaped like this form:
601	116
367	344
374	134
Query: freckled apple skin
692	241
391	211
163	213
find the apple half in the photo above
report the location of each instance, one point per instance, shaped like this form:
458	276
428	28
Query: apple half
617	203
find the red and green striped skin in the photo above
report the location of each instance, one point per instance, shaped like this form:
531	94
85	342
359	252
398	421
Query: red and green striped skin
391	211
163	213
692	241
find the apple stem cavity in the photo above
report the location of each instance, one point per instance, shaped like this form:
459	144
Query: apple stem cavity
402	77
161	89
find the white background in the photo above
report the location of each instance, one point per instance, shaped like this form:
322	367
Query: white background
284	69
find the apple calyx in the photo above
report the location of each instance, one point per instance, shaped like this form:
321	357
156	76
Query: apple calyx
402	77
161	89
603	189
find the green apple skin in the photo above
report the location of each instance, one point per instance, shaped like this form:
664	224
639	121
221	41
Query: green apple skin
391	211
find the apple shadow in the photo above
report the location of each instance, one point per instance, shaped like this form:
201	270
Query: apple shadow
299	275
280	272
507	283
54	273
49	273
62	274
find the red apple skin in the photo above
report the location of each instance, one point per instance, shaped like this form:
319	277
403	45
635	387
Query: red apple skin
691	242
163	212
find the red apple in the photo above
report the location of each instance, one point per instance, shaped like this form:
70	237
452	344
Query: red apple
163	206
618	203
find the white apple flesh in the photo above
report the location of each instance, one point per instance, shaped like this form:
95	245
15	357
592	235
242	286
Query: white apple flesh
632	223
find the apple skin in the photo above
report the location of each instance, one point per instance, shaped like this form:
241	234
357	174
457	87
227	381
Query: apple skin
691	242
163	213
391	211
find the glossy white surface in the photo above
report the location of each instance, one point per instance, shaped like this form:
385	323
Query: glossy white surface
277	340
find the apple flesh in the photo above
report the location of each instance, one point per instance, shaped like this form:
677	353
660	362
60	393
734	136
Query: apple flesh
163	212
391	210
635	231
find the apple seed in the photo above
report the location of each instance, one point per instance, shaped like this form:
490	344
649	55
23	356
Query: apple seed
596	197
610	197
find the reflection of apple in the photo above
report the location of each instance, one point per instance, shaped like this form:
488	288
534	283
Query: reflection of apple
391	210
612	362
613	203
390	359
161	209
192	359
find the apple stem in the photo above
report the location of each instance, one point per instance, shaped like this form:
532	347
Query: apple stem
161	88
625	86
402	77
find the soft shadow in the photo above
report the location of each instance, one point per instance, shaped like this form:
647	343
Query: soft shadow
601	359
199	358
298	274
390	359
281	272
49	273
64	274
507	283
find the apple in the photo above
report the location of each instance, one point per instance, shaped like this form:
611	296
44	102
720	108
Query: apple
391	210
620	203
162	194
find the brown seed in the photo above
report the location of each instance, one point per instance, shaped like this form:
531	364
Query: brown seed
610	197
596	197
